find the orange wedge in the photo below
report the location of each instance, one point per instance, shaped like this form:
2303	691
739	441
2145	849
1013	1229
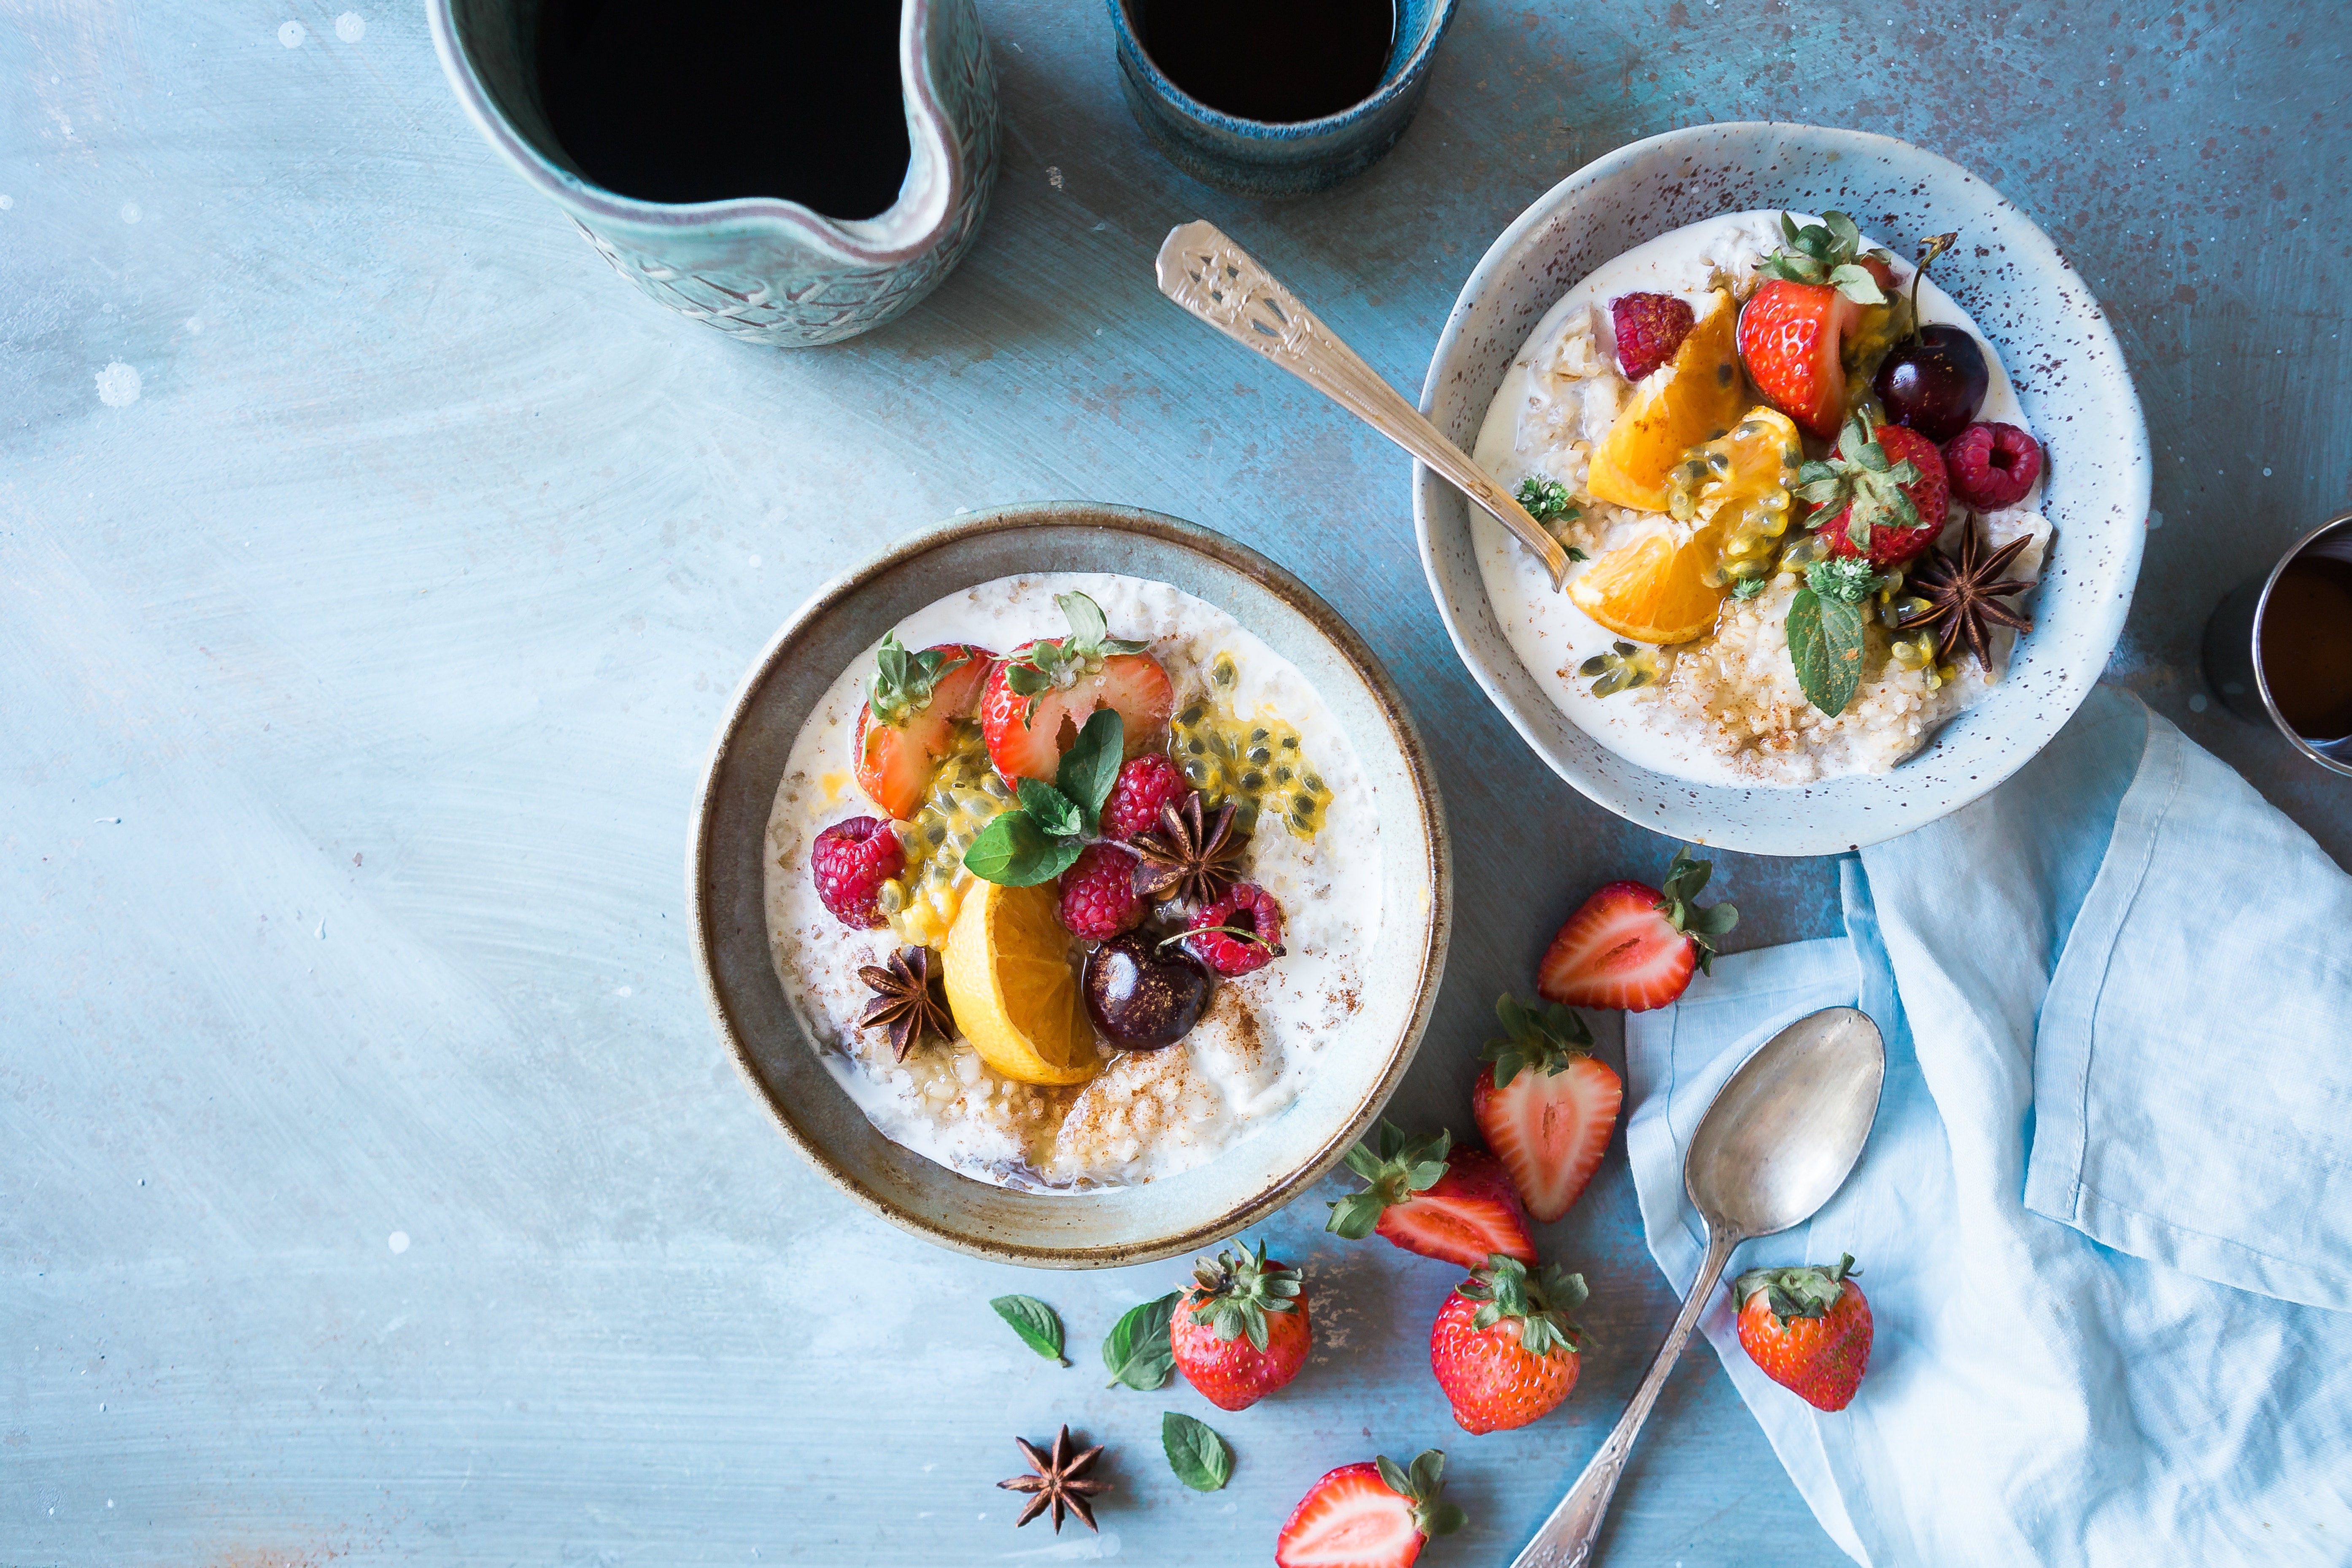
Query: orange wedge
1654	590
1693	397
1011	987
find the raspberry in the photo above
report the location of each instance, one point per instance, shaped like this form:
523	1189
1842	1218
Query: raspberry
1098	896
1992	465
1650	328
851	860
1145	783
1247	908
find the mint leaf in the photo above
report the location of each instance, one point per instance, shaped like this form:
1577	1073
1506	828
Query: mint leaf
1091	766
1053	812
1138	1352
1013	852
1199	1457
1825	645
1037	1324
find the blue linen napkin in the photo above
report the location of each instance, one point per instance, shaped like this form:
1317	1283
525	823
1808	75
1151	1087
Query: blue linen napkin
2105	1218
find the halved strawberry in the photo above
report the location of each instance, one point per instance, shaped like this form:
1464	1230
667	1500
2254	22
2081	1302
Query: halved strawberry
909	721
1037	699
1426	1196
1634	947
1546	1105
1792	329
1375	1515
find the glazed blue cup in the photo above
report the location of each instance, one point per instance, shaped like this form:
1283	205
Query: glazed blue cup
1259	158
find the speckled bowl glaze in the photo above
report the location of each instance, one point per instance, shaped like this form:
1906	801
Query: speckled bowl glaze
1259	158
2037	311
758	268
772	1043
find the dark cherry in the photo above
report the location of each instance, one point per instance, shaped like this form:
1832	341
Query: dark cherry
1934	383
1143	996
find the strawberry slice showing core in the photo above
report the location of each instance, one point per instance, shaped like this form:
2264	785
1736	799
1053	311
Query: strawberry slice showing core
1634	947
1429	1197
1546	1106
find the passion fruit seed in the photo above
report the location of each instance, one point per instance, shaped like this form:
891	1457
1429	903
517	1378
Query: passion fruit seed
1623	668
1256	763
921	902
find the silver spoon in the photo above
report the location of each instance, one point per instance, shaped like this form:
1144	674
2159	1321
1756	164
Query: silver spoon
1774	1146
1212	277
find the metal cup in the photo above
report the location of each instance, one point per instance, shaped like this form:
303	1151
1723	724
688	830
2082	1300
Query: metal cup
2234	648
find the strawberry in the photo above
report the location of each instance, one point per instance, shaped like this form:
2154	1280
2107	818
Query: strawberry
1459	1207
910	719
1504	1348
1880	497
1368	1516
1040	695
1240	1331
1807	1329
1792	329
1634	947
1546	1106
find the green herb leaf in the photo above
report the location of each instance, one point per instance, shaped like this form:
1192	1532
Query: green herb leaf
1037	1324
1749	587
1014	852
1545	500
1199	1458
1576	554
1085	617
1138	1352
1055	815
1825	645
1857	284
1091	766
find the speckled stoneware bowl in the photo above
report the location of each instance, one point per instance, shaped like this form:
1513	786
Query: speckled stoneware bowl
2060	352
771	1041
1260	158
757	267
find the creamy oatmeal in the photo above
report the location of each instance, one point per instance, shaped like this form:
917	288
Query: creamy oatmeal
1253	731
1725	706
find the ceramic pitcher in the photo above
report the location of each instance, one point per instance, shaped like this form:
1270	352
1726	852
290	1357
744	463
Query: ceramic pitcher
769	271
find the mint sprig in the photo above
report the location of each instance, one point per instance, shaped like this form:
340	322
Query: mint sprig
1824	629
1545	500
1040	838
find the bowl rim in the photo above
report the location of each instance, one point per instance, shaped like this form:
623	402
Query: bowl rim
2107	614
1437	867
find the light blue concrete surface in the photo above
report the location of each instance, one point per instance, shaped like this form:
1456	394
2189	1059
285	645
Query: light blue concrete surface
373	1189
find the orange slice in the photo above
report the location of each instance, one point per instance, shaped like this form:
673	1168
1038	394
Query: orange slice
1654	590
1693	398
1011	987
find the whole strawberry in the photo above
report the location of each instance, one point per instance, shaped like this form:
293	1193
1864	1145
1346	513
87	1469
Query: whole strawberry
850	861
1240	1332
1098	896
1455	1204
1883	495
1632	946
1546	1106
1504	1348
1808	1329
1144	784
1375	1515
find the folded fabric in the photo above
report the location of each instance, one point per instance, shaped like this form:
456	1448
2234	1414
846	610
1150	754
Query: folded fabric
2105	1218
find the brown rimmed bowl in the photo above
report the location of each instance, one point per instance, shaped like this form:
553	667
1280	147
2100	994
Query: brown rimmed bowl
773	1045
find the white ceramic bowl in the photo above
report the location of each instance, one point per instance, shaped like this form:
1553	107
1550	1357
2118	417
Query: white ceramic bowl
2053	337
771	1042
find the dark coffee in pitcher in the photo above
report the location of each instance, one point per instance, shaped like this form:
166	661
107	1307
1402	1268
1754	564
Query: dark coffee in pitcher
699	100
1275	61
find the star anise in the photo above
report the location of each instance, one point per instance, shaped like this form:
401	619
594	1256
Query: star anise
904	1000
1057	1484
1961	594
1190	855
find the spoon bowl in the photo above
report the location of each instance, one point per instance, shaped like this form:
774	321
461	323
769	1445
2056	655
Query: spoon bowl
1777	1141
1781	1137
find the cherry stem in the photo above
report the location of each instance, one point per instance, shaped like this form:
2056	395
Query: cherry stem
1228	930
1936	244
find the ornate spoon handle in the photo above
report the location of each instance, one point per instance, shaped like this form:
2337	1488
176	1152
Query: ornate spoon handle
1568	1538
1212	277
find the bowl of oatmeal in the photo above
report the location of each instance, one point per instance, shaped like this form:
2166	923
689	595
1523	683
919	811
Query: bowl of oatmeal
1070	885
1774	680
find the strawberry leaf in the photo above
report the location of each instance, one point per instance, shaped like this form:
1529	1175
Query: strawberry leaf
1825	647
1038	1325
903	681
1199	1458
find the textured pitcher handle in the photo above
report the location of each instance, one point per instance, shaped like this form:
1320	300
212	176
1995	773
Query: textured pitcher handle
1212	277
1568	1538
